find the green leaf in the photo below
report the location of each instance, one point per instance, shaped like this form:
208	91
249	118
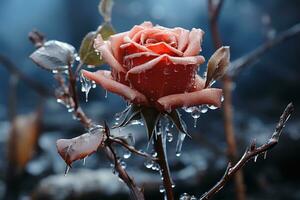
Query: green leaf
151	117
179	123
87	52
54	55
133	113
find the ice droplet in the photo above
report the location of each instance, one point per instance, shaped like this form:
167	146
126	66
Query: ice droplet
169	136
189	109
126	154
184	196
148	163
123	164
161	189
212	107
180	140
203	109
195	115
84	161
255	158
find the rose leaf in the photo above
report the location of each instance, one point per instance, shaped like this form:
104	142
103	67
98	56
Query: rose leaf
150	117
54	55
80	147
87	52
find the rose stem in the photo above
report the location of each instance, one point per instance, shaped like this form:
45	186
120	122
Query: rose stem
167	182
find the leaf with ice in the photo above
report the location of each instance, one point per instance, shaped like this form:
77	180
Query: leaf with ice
133	113
80	147
54	56
179	123
87	52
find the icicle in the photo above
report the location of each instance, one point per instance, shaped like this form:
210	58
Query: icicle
67	170
105	96
86	86
84	160
255	158
265	155
196	114
180	140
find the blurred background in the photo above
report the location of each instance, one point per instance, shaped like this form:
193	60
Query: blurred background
260	93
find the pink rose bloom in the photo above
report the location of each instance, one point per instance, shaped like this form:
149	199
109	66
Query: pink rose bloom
155	66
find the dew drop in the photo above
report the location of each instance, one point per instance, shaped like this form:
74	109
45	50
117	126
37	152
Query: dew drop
180	140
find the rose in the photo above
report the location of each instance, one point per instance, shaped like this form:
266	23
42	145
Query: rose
155	66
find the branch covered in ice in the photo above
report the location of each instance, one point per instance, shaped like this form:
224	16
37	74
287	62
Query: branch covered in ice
252	152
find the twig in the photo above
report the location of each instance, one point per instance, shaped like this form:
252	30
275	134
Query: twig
130	148
252	152
32	83
214	12
255	55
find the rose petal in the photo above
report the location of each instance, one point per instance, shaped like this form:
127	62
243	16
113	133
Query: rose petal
104	47
183	39
211	96
194	60
199	84
129	42
163	48
104	78
116	41
195	40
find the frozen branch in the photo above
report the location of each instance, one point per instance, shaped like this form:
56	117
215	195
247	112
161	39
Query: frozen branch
252	152
255	55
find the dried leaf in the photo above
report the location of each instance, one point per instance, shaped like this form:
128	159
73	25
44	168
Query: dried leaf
87	52
105	8
23	138
80	147
54	55
217	65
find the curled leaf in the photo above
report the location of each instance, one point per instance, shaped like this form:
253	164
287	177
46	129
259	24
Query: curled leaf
54	55
23	138
87	52
80	147
217	65
105	8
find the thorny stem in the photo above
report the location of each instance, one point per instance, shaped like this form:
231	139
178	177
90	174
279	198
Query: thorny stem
164	167
251	152
214	12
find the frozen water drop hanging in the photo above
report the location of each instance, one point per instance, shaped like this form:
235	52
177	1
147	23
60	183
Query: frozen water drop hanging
184	196
126	154
180	140
86	86
203	109
67	170
195	115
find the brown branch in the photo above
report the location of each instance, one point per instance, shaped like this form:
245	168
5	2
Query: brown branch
135	191
214	12
252	152
32	83
255	55
164	167
130	148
